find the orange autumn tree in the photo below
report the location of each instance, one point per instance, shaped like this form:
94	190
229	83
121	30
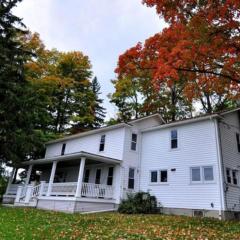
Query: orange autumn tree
207	45
199	49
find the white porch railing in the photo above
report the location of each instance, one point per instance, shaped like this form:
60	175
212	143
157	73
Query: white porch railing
97	190
64	189
68	189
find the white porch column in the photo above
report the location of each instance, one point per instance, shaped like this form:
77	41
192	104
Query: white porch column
28	174
80	177
41	190
11	179
117	183
54	166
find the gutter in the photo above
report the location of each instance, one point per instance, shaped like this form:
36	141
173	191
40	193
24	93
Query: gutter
220	168
182	122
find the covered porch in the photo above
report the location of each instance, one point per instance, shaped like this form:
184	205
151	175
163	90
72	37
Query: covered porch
77	177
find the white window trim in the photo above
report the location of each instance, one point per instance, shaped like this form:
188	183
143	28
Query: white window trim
231	175
150	177
170	140
131	178
100	143
158	177
132	141
202	180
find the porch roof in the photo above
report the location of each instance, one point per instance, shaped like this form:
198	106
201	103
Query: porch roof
73	156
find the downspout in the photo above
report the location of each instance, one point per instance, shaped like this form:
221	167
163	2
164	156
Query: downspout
220	168
140	160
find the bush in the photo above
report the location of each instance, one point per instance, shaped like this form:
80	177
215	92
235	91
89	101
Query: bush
141	202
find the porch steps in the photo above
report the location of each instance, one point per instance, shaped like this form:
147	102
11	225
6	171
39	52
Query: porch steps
32	204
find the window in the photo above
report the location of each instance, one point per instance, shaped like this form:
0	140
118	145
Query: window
63	149
234	177
163	176
134	142
154	176
98	176
238	141
102	143
228	173
202	174
110	176
131	178
196	174
86	176
174	139
208	173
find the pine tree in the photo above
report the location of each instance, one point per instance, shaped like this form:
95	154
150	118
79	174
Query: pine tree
16	129
98	110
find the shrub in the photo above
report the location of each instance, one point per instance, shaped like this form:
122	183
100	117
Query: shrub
141	202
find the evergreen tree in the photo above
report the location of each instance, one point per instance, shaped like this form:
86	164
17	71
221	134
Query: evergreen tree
98	110
17	135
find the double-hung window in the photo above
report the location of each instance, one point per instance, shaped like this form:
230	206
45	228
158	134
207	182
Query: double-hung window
98	176
102	143
63	149
86	176
208	173
202	174
228	174
196	174
131	180
235	177
238	141
110	176
174	139
134	142
232	176
154	176
163	176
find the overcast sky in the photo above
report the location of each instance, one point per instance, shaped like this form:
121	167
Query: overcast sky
101	29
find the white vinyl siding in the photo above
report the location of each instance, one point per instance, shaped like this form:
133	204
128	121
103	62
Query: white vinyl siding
198	148
229	126
114	144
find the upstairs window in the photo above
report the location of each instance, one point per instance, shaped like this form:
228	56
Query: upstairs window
238	141
134	142
102	143
63	149
86	176
174	139
131	178
110	176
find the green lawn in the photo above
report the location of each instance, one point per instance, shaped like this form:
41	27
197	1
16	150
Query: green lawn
18	223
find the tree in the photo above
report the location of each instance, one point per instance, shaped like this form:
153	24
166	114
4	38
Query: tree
202	43
98	110
63	81
135	95
17	135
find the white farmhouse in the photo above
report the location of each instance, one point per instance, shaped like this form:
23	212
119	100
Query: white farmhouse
191	166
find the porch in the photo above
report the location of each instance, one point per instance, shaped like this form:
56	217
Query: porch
81	177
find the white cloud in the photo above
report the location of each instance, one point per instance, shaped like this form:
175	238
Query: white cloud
102	29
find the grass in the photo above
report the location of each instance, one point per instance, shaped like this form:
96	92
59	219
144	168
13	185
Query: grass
19	223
